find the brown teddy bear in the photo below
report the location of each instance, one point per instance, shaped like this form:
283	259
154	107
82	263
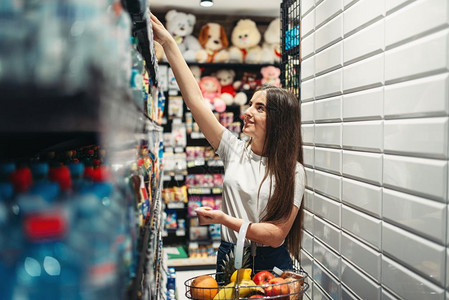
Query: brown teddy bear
214	41
245	39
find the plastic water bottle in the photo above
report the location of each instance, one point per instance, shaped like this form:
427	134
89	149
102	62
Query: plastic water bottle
48	269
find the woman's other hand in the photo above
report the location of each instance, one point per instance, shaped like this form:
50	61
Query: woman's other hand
207	215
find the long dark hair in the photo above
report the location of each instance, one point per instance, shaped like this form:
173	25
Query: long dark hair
283	149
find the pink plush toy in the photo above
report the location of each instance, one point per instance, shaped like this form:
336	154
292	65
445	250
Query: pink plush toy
211	89
270	76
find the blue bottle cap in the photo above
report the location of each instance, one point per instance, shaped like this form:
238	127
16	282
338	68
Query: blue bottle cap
6	190
76	169
7	168
99	189
40	169
47	190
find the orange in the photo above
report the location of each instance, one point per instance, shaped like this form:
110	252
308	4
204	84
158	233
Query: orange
204	287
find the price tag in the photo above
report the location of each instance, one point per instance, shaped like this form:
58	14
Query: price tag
179	149
179	177
217	190
190	164
175	205
193	245
180	232
168	150
166	178
199	162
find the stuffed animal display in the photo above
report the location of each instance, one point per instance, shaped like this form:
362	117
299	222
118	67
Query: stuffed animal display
226	79
214	41
245	40
270	76
180	25
272	43
211	90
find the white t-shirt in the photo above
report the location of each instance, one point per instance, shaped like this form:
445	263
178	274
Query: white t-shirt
244	171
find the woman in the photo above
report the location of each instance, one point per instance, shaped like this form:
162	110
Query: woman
264	178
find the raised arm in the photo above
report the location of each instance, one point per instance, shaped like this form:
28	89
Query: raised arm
191	93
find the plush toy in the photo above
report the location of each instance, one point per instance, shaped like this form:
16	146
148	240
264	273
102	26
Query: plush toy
247	85
159	51
180	25
245	43
214	41
226	79
196	71
211	89
271	48
270	76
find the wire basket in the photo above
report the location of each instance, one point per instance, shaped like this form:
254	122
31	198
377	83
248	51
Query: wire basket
292	287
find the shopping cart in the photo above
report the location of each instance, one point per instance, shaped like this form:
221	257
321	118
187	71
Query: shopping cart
292	288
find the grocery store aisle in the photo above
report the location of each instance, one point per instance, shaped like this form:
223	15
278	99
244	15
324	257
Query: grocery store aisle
182	276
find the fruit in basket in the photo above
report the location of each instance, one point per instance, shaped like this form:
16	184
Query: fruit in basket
248	286
204	287
277	286
257	296
242	274
226	292
228	266
245	287
263	277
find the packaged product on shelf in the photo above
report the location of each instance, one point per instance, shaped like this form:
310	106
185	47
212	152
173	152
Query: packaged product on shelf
175	107
179	135
208	201
180	194
171	221
193	203
214	232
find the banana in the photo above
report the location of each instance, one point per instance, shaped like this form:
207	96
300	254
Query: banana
226	292
243	274
247	286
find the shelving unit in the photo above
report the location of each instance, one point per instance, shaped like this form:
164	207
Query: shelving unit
101	112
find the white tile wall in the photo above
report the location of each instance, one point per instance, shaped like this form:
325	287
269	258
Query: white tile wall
375	94
364	105
359	283
328	110
327	282
361	14
361	225
329	34
424	217
329	59
326	10
426	97
364	257
427	258
362	196
415	20
363	166
329	259
328	159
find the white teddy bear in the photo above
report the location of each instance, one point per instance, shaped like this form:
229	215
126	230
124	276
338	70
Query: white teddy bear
180	25
245	39
272	43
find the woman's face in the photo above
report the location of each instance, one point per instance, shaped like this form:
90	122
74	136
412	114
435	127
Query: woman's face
255	117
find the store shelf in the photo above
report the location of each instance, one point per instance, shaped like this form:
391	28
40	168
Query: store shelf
193	262
34	111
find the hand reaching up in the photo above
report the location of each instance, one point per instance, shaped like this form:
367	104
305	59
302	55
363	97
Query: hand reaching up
160	34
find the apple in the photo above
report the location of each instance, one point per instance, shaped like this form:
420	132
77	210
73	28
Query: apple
257	296
262	277
276	287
